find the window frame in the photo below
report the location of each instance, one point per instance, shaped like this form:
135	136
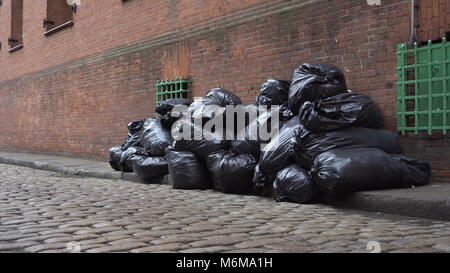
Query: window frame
66	24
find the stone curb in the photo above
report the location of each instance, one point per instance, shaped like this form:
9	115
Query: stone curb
395	202
114	175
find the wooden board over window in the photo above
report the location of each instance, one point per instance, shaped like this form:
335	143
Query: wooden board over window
58	13
175	61
433	19
16	23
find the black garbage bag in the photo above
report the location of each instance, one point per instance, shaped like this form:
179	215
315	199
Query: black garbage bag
201	148
114	157
415	172
132	139
148	167
341	171
307	145
273	92
248	146
293	184
205	113
251	143
165	110
166	106
154	137
135	126
285	114
196	108
220	97
312	82
199	144
213	105
231	173
341	111
187	171
125	158
277	154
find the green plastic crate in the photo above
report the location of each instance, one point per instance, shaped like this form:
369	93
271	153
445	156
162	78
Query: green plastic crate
172	89
423	87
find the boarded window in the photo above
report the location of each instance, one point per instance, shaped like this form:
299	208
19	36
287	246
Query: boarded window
433	19
16	38
59	13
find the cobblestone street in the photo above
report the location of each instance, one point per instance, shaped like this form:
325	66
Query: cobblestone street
49	212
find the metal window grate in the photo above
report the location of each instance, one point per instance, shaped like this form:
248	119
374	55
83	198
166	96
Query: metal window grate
423	87
172	89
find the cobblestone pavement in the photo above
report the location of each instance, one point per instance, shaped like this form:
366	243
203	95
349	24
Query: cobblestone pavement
48	212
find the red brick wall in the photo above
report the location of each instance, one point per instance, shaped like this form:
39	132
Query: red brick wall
74	92
102	25
435	149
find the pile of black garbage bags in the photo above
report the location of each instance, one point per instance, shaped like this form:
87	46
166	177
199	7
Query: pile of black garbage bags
330	143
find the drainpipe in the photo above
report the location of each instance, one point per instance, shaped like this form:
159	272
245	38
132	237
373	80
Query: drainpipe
414	23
